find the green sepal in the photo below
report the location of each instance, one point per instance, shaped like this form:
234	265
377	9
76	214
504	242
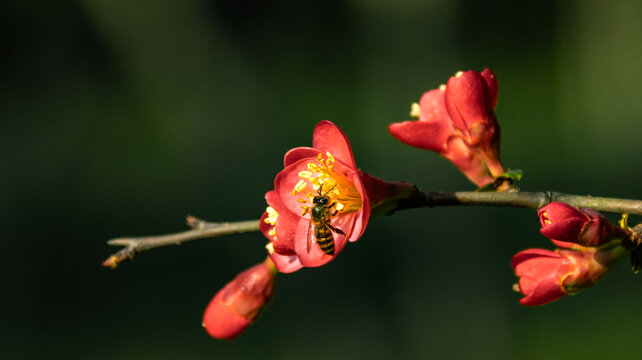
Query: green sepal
507	178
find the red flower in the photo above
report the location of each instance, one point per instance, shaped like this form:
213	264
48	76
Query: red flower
458	122
566	225
239	303
545	276
322	180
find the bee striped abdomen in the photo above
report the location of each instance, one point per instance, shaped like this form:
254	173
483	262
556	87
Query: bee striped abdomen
325	239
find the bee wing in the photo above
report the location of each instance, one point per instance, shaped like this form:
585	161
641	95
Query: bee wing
310	236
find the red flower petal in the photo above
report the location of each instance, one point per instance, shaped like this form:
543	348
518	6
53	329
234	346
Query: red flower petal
467	99
287	179
566	230
221	322
547	290
422	134
299	153
286	263
286	221
432	106
327	137
533	262
491	82
363	215
541	275
559	211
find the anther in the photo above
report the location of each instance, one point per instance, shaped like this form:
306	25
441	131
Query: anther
299	187
305	174
415	110
270	248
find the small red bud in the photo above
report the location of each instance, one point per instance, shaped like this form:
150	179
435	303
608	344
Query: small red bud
564	223
239	303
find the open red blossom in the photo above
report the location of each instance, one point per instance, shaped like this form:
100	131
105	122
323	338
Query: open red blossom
566	225
239	303
457	121
327	169
545	275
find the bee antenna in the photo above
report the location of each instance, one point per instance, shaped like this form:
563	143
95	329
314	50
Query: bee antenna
332	188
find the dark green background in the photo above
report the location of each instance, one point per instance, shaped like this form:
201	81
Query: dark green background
119	118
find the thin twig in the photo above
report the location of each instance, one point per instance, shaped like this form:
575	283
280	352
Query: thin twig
200	230
532	200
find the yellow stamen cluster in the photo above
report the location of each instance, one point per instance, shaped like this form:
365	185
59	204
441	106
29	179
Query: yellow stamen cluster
333	183
271	220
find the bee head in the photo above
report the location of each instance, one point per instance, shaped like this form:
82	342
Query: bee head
320	200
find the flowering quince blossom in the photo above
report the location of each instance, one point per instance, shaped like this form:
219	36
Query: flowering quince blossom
457	120
237	305
545	275
326	168
567	225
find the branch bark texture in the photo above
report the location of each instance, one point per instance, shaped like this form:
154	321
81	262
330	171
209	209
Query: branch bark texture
531	200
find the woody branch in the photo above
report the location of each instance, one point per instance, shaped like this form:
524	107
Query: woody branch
531	200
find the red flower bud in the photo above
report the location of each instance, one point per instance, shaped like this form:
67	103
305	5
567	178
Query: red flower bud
545	276
458	122
239	303
470	100
564	223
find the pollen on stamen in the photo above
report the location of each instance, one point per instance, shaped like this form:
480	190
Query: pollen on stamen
459	73
272	216
270	248
339	206
301	200
305	209
299	187
545	218
330	160
415	110
305	174
313	168
272	233
319	157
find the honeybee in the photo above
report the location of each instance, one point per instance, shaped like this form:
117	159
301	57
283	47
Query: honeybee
320	229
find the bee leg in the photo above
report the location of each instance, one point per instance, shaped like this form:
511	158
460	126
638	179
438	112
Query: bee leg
335	211
336	230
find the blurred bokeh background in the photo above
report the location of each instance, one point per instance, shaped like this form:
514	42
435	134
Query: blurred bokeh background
120	118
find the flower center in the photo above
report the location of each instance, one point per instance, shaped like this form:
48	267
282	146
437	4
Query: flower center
325	179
